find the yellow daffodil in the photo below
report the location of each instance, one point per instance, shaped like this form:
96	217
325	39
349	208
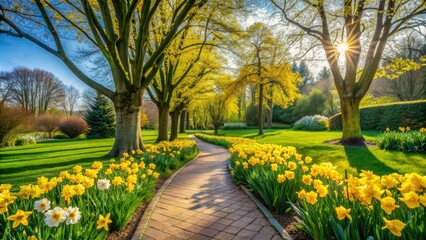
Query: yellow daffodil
311	197
103	222
394	226
307	179
422	199
91	173
245	165
4	186
20	217
301	194
292	166
130	187
322	190
6	198
388	204
343	213
289	175
79	189
151	165
67	193
97	165
274	167
77	169
117	181
280	178
411	199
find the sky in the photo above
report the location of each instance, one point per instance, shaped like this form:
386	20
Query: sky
16	52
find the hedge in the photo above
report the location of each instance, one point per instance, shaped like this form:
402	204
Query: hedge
392	115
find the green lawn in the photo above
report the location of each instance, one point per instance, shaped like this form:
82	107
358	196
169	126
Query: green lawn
22	165
352	159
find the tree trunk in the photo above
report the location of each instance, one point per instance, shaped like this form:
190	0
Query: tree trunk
270	112
260	109
163	123
175	125
351	124
188	125
182	122
128	130
216	128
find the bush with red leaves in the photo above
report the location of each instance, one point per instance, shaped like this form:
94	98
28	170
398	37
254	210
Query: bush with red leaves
73	126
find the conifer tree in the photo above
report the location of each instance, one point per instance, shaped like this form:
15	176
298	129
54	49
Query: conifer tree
100	118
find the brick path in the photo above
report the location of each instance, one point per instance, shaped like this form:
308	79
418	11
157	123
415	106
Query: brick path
202	202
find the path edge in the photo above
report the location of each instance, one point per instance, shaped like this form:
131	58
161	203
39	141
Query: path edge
143	223
277	226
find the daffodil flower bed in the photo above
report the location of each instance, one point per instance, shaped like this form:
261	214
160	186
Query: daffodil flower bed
330	205
405	140
87	203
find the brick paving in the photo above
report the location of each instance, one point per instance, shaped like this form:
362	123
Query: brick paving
202	202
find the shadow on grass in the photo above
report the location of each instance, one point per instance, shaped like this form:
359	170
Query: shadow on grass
360	157
51	151
54	164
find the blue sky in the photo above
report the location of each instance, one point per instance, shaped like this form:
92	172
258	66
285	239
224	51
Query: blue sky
20	52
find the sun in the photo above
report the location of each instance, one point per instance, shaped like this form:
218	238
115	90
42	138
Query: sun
342	47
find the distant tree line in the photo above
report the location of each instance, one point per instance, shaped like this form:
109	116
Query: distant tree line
37	91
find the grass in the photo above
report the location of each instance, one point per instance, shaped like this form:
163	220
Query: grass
22	165
348	158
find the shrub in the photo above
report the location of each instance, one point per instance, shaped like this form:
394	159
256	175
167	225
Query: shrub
252	115
390	115
238	127
25	140
10	119
284	115
405	141
48	124
311	104
313	123
100	118
73	126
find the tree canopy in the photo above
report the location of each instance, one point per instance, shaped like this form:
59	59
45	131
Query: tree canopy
358	31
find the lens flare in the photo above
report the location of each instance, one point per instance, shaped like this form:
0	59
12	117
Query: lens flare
342	47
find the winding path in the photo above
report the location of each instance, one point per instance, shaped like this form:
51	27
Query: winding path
202	202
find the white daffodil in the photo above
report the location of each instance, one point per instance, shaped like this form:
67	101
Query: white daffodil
42	205
73	215
54	217
103	184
